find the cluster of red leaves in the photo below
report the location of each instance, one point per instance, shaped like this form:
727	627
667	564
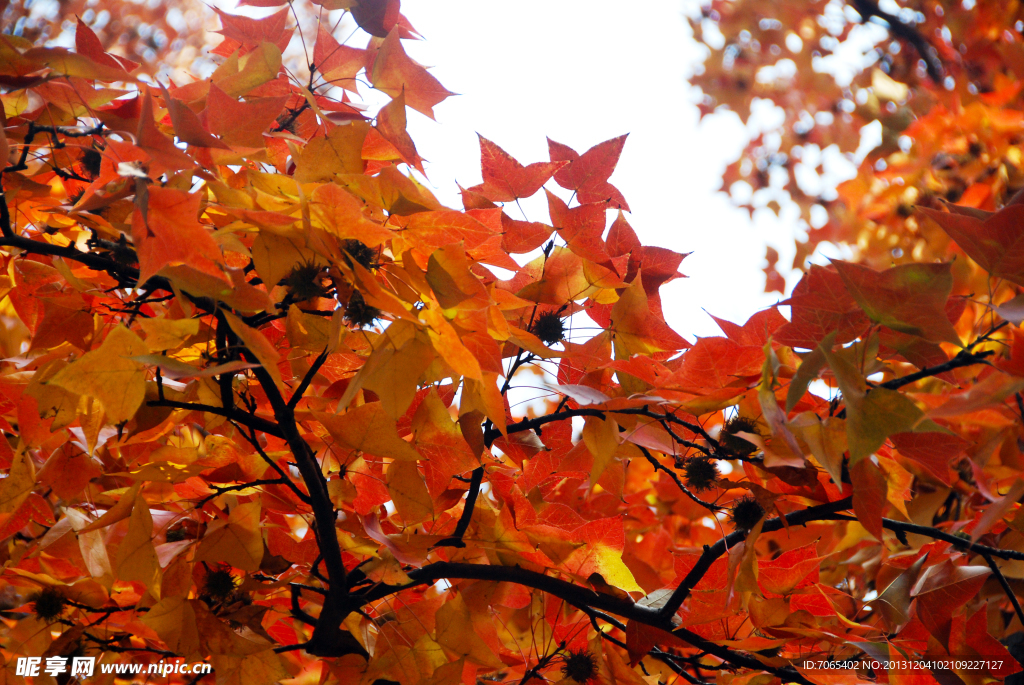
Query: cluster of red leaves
255	396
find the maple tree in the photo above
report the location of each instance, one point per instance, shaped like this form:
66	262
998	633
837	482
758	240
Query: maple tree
259	390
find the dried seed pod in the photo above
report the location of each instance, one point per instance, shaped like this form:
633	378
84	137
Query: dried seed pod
549	327
580	665
304	281
359	251
50	604
736	446
358	312
700	474
746	512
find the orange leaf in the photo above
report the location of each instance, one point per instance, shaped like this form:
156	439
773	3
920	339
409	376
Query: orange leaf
910	298
394	73
505	179
587	174
166	232
995	243
241	124
869	495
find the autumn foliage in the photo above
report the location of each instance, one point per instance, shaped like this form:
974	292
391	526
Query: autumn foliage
261	391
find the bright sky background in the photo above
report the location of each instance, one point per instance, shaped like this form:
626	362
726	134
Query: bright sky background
581	72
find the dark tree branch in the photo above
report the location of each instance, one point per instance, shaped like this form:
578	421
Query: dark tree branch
578	596
251	439
220	490
962	359
900	527
476	478
307	379
328	639
297	612
1006	585
492	434
658	466
817	513
909	33
225	381
236	415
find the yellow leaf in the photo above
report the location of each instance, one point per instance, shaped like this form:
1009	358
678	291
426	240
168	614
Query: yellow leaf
608	562
18	484
340	152
258	345
275	256
393	370
456	633
174	621
409	493
484	396
370	429
118	512
109	374
238	541
601	436
261	668
136	556
446	342
93	548
168	334
254	69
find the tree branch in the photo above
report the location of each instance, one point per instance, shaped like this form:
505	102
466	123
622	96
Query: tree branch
249	420
578	596
870	8
658	466
328	639
1006	586
476	478
962	359
816	513
220	490
307	379
935	533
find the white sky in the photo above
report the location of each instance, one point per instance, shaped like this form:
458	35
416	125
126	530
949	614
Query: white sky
581	72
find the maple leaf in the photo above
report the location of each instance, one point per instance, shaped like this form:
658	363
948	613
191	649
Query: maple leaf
587	174
241	124
394	73
166	232
994	243
248	31
505	179
391	124
910	298
109	374
88	44
338	63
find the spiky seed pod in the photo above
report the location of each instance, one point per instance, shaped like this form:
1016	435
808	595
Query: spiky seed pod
364	255
700	474
734	445
220	583
579	665
304	281
746	512
549	327
50	604
91	162
358	312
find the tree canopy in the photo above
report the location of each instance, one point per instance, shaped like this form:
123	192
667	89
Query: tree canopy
260	390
